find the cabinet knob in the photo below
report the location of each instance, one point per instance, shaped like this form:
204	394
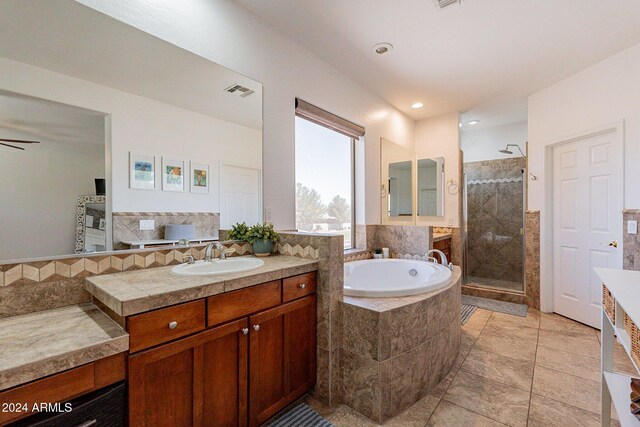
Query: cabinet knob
173	325
302	285
245	331
256	328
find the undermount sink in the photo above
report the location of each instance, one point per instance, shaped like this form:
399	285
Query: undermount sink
217	266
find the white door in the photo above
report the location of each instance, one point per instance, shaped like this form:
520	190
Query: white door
587	217
240	196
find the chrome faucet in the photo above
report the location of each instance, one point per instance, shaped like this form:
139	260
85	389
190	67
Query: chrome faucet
443	258
208	250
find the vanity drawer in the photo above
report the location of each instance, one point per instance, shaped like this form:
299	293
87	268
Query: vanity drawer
232	305
298	286
156	327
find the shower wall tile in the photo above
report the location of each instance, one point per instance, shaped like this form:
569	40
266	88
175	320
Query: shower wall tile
495	219
403	241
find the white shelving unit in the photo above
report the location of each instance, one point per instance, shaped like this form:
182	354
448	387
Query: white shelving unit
624	286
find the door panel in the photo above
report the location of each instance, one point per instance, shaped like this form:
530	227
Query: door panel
587	216
240	189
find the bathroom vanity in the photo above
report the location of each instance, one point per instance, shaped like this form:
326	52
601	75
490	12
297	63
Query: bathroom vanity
228	349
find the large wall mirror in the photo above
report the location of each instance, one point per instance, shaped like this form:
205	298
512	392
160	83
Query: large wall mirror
97	112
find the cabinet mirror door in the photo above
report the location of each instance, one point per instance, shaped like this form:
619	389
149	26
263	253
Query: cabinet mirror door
431	186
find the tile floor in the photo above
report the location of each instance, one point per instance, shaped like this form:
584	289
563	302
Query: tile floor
542	370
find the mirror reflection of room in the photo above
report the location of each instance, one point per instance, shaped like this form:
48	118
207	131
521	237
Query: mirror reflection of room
400	189
431	187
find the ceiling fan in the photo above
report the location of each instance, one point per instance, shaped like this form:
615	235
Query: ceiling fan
16	141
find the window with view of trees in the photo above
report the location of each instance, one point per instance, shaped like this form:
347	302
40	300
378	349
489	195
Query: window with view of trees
324	180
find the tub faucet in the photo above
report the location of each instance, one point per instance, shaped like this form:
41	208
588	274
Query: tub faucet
443	258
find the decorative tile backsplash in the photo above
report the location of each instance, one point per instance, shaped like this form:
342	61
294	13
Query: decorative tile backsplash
308	252
403	241
126	225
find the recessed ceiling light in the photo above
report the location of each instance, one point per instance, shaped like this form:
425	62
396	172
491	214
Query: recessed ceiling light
417	105
382	48
474	122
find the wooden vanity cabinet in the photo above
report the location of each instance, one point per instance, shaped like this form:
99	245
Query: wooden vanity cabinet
282	361
444	246
195	381
235	374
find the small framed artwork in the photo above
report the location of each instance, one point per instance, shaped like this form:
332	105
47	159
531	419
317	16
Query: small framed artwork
88	221
199	178
102	225
142	172
172	175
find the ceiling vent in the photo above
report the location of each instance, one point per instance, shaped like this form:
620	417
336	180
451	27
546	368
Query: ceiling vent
239	90
444	3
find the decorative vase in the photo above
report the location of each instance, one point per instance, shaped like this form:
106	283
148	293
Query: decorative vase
262	247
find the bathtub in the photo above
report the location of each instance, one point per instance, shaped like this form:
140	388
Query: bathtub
393	277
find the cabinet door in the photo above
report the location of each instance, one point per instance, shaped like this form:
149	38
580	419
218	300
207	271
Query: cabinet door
186	382
282	357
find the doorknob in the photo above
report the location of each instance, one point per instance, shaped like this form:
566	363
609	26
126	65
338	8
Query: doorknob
614	244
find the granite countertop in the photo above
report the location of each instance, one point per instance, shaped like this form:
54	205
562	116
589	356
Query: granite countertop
43	343
138	291
441	236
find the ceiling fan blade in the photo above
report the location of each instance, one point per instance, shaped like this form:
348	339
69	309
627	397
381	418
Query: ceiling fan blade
20	141
11	146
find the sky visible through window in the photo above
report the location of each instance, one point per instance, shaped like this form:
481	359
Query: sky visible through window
323	180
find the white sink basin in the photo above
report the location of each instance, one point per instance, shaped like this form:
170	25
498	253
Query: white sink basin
217	266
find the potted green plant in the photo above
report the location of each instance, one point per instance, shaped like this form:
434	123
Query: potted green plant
262	237
239	232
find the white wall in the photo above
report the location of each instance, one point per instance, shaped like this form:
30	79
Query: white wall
598	96
39	192
228	34
440	137
484	143
147	127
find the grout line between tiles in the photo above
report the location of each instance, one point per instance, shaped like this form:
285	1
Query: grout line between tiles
533	374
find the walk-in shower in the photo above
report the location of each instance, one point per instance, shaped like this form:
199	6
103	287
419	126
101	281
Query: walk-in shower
494	213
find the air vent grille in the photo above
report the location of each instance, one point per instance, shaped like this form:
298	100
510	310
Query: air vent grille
444	3
239	90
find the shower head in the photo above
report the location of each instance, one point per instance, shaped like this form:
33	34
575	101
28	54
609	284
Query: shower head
507	151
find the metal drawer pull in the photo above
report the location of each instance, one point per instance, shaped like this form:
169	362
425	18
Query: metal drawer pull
245	331
173	325
256	328
302	285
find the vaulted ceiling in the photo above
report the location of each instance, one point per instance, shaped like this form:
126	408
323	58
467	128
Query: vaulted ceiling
475	53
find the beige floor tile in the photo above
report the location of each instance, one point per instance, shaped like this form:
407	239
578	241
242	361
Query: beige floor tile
568	343
506	346
417	415
497	326
500	402
449	415
546	412
531	321
555	322
478	320
439	390
574	364
575	391
622	362
516	373
469	336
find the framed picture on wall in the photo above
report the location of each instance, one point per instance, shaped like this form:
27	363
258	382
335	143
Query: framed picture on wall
102	225
142	172
172	175
199	178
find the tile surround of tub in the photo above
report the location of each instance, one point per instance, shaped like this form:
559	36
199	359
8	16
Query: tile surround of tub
403	241
126	225
389	360
329	251
532	259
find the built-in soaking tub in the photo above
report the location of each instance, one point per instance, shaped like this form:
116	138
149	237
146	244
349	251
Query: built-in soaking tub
393	277
400	333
